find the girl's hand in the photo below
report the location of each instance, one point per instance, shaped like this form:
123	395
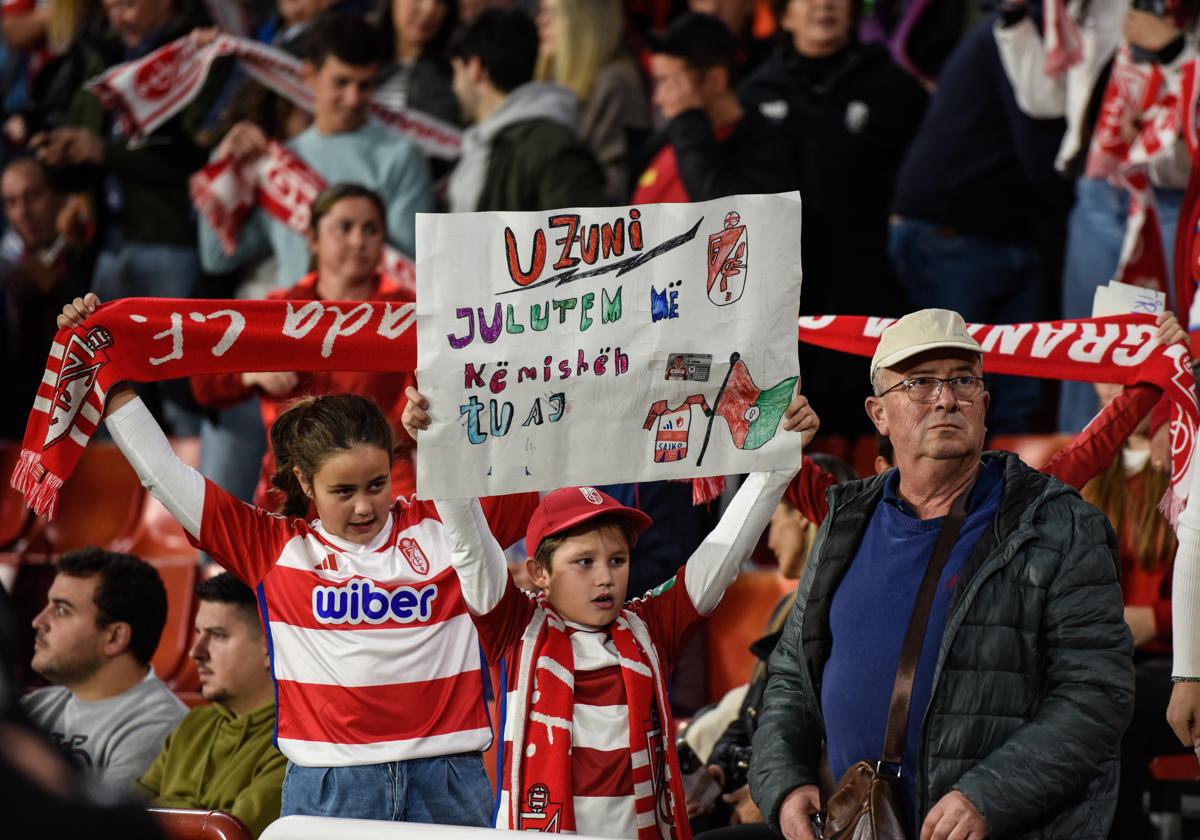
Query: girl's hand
415	417
801	418
77	311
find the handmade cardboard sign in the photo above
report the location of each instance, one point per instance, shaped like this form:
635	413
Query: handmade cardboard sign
606	345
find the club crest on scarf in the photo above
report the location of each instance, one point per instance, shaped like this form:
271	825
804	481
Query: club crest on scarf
82	360
539	813
155	78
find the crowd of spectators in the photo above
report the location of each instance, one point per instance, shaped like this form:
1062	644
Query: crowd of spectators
940	160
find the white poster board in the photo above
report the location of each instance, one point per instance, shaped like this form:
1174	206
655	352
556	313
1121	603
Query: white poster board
606	345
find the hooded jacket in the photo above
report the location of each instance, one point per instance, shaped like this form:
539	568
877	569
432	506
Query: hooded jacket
527	155
219	761
1033	686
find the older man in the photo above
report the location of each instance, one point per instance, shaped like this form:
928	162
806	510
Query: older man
1024	682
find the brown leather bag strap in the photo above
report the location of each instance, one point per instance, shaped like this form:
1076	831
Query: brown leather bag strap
906	671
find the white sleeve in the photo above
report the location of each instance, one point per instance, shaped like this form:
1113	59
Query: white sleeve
1185	586
476	556
179	487
715	564
1023	55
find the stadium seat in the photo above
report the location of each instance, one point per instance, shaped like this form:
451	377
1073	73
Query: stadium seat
1034	450
1175	795
737	623
98	505
15	518
171	656
181	824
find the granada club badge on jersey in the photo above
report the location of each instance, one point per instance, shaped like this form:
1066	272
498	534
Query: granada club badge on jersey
727	257
539	813
82	360
414	555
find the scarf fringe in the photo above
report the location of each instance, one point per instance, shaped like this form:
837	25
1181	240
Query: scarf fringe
705	490
1171	506
39	486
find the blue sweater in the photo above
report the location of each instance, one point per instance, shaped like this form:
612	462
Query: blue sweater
373	156
869	616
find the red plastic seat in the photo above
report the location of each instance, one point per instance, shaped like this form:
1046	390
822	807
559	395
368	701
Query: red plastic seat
1175	768
738	622
179	576
1034	450
98	505
180	824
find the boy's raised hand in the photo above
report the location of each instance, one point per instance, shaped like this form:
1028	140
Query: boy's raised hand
415	417
800	417
76	312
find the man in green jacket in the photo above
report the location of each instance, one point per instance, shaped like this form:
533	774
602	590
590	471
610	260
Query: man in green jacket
221	757
1024	681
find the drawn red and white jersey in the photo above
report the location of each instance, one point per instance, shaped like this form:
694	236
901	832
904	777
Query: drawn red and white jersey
374	655
674	426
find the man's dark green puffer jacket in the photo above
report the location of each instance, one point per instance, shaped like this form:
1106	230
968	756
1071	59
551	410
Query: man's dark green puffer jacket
1034	681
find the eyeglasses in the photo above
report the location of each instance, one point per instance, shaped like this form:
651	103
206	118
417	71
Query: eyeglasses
927	389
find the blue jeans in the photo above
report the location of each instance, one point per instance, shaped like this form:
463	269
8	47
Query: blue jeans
232	444
1095	232
985	282
450	789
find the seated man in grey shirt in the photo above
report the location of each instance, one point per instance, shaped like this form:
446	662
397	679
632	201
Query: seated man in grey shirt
106	710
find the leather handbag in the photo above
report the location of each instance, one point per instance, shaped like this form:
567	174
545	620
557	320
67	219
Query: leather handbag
865	805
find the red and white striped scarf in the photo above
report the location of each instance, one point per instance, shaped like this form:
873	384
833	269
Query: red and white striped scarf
145	93
1064	45
284	186
1119	350
151	339
541	789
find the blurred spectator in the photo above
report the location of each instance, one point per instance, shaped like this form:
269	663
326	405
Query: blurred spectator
416	32
1098	219
710	146
39	269
581	49
347	235
523	151
1128	492
850	114
344	144
148	237
471	9
221	757
106	710
741	19
979	210
291	22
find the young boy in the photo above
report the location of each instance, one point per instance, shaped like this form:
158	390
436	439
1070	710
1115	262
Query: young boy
588	744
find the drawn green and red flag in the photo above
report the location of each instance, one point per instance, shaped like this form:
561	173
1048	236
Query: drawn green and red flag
753	414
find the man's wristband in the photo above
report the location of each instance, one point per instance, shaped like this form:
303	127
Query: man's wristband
1185	679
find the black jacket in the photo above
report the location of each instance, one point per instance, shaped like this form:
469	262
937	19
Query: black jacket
754	157
1034	681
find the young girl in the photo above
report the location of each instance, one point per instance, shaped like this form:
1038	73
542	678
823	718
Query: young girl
346	235
376	663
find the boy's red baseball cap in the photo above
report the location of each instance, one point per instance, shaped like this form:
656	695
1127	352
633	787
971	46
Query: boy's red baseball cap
567	507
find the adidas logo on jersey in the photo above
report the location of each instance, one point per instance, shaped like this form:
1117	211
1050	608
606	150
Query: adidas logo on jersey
361	600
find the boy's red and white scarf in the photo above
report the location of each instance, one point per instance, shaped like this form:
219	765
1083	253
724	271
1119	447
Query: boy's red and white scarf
283	185
151	339
148	91
1120	350
540	788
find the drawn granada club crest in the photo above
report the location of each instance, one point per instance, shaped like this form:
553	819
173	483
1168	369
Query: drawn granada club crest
82	360
727	261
